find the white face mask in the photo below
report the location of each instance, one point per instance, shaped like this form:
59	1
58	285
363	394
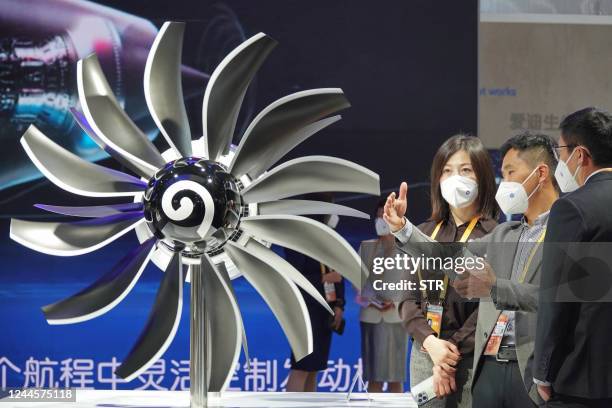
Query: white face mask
566	180
459	191
512	197
382	228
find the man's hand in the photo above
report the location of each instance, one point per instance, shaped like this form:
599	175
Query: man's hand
444	383
338	312
395	209
476	283
442	353
545	391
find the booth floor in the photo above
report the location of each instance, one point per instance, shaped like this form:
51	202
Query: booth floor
172	399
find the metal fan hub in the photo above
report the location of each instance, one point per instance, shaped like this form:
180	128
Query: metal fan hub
192	201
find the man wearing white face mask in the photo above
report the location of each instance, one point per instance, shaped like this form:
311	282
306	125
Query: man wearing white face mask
573	352
506	320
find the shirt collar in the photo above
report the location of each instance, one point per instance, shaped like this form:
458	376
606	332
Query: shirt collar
595	172
540	220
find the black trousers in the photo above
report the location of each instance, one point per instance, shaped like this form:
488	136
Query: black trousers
500	385
560	400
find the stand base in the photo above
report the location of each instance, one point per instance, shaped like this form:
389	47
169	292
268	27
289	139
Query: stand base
171	399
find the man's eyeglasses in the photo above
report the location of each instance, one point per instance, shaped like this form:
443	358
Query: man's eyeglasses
557	149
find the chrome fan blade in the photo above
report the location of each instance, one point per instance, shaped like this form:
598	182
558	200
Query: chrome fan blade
162	324
104	294
96	211
311	238
281	295
271	157
284	268
225	275
307	207
71	173
164	90
283	125
79	118
311	174
226	89
110	123
224	326
73	238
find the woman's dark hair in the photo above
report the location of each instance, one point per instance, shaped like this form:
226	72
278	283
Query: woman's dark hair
482	166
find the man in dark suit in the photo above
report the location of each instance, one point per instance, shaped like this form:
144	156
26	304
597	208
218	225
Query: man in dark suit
573	351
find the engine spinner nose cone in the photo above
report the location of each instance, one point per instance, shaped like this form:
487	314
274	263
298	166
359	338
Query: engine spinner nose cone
192	200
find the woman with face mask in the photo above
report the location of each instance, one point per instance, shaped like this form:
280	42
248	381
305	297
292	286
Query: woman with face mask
441	323
384	343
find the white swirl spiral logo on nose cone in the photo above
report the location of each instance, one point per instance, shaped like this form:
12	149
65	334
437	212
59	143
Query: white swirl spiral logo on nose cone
185	208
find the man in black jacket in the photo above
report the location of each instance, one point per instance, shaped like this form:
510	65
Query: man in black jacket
573	352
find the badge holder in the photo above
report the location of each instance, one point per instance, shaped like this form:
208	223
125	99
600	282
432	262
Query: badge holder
495	339
433	314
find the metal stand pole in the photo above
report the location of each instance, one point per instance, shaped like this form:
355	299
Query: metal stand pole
198	370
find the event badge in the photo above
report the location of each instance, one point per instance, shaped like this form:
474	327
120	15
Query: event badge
497	335
434	317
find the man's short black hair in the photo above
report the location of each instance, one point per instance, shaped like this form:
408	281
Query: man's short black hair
592	128
534	148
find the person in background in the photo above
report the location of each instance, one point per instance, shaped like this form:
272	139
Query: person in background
463	208
303	373
384	342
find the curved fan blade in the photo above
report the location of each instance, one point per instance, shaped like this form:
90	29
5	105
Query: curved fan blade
110	123
312	174
71	173
303	207
225	326
285	268
281	295
283	125
96	211
162	324
164	90
79	118
310	238
225	92
271	156
106	293
73	238
223	272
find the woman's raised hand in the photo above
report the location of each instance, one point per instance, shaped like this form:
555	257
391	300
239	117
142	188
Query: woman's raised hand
395	208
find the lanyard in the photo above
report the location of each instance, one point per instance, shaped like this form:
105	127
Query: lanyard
531	255
464	238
